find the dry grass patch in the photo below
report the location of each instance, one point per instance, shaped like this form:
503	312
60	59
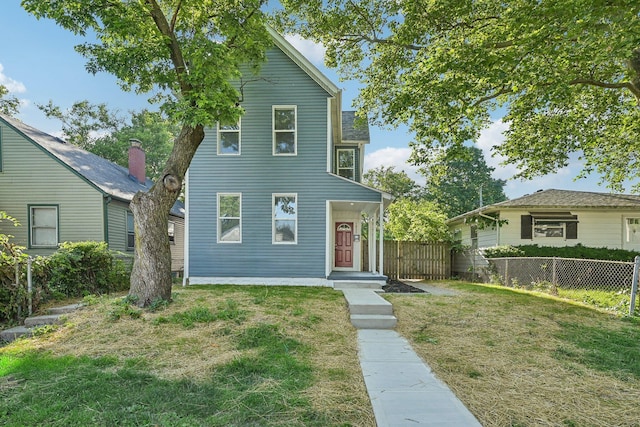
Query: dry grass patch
208	331
517	359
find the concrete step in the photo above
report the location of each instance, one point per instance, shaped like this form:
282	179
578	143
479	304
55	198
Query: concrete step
13	334
358	284
64	309
47	319
373	321
364	301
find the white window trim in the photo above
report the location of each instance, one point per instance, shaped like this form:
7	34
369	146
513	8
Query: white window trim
274	131
218	231
352	168
239	131
31	226
273	218
628	222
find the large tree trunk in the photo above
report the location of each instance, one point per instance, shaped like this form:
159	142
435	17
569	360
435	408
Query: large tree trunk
151	274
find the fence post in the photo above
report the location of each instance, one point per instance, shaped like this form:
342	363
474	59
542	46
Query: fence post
634	286
17	277
554	276
506	273
29	285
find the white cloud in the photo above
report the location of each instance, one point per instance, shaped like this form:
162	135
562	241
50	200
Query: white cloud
314	52
12	85
396	157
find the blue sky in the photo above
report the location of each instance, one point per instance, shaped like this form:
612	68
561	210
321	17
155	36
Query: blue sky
38	64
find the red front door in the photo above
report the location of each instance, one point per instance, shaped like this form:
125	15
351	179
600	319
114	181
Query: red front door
344	244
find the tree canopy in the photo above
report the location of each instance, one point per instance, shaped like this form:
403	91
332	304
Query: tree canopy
566	73
461	182
398	184
8	104
417	221
104	132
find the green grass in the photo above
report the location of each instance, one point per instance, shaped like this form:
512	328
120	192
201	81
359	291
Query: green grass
40	389
517	357
266	372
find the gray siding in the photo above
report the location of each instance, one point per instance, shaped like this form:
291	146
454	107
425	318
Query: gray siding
256	173
30	176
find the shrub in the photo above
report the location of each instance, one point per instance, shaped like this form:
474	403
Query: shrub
12	296
577	251
82	268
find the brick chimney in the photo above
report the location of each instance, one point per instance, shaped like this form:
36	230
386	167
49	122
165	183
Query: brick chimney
137	161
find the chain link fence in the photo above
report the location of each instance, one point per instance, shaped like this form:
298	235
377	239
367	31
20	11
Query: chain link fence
565	273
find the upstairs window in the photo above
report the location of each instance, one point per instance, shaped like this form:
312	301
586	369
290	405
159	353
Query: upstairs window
346	162
285	130
229	139
229	218
43	226
285	218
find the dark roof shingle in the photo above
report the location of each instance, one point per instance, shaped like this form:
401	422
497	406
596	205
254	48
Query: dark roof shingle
109	177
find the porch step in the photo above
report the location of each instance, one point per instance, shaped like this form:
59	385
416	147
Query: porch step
358	284
369	310
374	321
363	301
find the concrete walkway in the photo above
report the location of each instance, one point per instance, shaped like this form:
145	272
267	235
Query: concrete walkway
401	386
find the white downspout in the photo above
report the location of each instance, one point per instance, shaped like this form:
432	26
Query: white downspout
381	220
185	275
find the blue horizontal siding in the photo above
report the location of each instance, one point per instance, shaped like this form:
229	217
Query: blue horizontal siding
256	173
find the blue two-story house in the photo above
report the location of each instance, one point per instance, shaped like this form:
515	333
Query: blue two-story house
276	198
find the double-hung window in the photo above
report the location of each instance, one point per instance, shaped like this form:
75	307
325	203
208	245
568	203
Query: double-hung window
346	159
285	218
229	139
229	218
285	138
43	226
131	235
171	229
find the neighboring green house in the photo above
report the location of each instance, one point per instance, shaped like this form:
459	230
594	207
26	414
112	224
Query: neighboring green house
62	193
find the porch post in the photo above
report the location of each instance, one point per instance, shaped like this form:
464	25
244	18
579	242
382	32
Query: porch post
372	244
381	233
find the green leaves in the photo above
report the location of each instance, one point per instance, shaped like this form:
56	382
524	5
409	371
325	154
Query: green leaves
8	103
568	74
184	52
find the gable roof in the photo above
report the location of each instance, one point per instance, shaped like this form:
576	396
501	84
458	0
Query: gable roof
303	63
108	177
353	128
561	199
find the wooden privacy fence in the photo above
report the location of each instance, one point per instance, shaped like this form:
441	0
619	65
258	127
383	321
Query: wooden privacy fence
412	260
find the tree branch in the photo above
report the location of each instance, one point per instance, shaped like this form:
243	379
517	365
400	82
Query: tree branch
174	18
624	85
175	52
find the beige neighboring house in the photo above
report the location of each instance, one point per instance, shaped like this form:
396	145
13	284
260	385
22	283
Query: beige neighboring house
551	218
62	193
